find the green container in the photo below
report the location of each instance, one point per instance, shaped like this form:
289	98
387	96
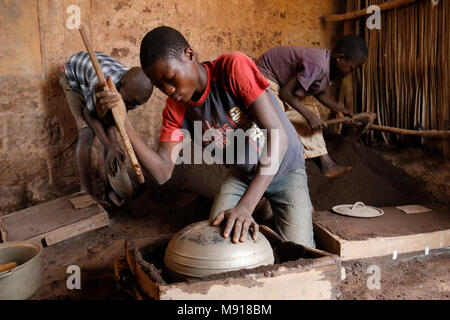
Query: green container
23	281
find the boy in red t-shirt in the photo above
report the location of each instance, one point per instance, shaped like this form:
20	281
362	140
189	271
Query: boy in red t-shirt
214	102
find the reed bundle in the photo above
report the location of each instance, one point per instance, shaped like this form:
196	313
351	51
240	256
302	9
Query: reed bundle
406	78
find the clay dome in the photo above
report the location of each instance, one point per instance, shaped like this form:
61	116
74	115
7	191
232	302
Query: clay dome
200	249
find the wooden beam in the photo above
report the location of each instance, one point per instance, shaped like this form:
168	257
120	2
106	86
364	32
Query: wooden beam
317	280
54	221
363	12
395	231
420	133
98	221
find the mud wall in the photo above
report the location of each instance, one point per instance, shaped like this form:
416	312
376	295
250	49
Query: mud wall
37	133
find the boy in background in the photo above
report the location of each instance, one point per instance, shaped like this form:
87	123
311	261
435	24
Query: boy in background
300	77
79	80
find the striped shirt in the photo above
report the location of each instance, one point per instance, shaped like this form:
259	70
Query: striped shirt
82	77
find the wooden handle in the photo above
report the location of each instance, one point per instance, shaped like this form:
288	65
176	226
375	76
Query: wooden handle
420	133
371	118
119	125
87	43
357	117
8	266
126	140
388	5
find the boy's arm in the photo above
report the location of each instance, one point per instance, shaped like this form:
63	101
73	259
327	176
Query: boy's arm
115	153
108	139
157	163
329	102
239	219
290	93
95	124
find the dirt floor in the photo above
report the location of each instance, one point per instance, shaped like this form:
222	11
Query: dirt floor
413	277
380	177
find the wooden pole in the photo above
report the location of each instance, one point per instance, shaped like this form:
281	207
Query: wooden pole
370	117
420	133
119	124
363	12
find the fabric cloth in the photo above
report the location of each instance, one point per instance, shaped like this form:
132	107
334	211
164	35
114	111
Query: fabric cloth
289	200
234	82
311	66
313	141
75	100
82	77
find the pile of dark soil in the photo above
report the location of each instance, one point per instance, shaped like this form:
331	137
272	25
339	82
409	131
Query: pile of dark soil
372	180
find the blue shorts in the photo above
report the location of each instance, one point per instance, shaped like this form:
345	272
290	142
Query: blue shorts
288	197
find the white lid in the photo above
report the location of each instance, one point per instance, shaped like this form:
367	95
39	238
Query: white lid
358	209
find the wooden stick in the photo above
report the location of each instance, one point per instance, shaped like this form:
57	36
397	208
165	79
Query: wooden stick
8	266
357	117
372	116
363	12
420	133
115	112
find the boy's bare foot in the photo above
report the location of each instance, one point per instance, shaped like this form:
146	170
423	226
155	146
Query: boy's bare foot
115	199
330	169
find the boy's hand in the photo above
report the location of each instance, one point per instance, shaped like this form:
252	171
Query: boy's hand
108	99
346	113
239	221
100	86
114	156
315	122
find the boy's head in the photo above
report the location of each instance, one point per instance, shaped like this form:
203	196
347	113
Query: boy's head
135	88
350	53
169	62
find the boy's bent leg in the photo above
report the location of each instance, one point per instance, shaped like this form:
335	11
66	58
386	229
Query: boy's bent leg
312	140
85	134
85	138
230	193
74	99
292	209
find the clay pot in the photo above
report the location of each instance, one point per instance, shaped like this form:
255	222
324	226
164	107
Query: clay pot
200	249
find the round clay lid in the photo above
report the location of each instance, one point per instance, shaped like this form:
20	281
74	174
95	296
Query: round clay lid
359	209
200	249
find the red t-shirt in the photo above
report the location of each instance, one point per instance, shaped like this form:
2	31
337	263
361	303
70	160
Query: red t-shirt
234	82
